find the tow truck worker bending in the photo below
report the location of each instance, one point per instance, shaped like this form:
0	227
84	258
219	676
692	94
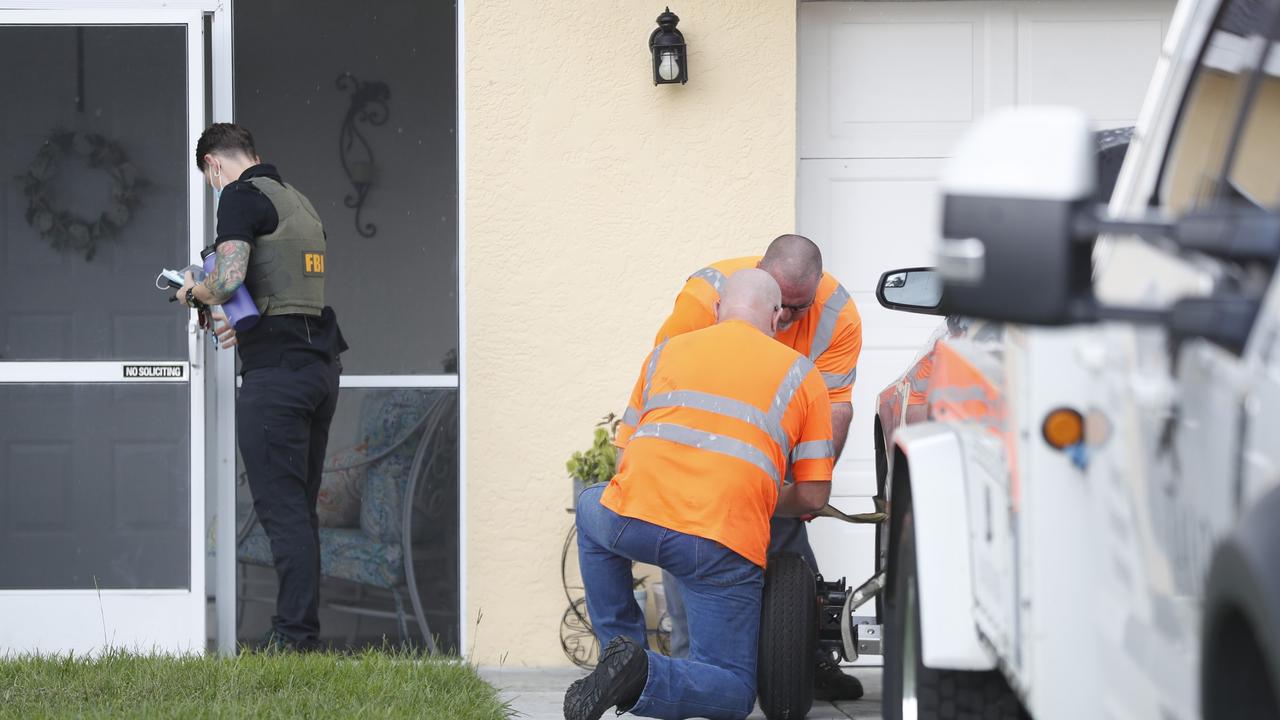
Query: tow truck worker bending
713	421
820	321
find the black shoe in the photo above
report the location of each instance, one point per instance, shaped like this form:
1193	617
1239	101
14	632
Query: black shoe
273	643
270	643
307	645
617	681
830	683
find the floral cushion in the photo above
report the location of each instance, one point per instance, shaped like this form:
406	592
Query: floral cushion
390	423
340	487
382	506
345	553
387	417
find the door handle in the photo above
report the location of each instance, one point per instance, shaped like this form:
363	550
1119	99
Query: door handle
194	346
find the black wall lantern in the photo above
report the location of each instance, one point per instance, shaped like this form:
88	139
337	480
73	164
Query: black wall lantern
670	59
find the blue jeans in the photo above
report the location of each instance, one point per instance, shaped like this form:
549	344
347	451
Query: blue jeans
722	598
785	535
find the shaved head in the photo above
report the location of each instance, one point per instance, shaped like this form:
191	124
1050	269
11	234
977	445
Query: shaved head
795	263
751	296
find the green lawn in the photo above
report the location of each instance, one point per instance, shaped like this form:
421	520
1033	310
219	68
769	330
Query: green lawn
370	685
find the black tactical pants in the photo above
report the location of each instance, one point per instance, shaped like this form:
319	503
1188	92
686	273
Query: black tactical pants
282	425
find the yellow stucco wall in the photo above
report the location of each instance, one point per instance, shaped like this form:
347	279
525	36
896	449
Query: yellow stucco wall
590	195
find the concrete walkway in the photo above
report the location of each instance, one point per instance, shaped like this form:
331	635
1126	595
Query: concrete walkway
538	694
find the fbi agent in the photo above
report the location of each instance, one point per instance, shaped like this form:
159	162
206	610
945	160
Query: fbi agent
271	241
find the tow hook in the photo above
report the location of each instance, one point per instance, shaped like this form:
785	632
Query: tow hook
837	634
861	638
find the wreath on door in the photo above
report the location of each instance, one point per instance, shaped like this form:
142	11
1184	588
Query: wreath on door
58	225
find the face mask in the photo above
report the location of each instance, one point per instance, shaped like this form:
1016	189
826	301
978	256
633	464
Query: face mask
217	191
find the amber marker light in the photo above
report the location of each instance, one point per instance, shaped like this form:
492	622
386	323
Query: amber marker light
1063	428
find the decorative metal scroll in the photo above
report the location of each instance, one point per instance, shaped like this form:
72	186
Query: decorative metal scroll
368	106
577	638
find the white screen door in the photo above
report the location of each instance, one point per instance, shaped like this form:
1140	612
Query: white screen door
101	379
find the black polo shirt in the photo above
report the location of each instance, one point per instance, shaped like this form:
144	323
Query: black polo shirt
244	213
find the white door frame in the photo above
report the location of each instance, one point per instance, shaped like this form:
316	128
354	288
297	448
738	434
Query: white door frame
115	616
460	135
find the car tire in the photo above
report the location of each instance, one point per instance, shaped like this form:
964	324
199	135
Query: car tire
788	647
1235	684
1240	635
911	690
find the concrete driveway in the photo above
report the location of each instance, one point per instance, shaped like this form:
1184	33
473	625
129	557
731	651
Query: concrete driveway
538	694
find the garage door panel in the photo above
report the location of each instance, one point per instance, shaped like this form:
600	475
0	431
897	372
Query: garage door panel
900	79
856	477
894	329
869	216
870	63
878	232
907	79
1108	81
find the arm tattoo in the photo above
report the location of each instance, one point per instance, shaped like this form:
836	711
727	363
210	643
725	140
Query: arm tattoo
229	270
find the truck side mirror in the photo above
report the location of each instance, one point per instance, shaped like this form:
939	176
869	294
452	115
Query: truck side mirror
916	290
1020	220
1014	196
1225	320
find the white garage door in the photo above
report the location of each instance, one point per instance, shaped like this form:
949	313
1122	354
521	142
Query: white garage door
885	90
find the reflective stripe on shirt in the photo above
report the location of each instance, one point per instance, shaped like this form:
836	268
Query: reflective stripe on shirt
720	405
711	442
827	322
814	450
713	276
834	380
648	373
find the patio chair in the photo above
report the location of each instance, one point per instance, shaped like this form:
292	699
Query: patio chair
409	437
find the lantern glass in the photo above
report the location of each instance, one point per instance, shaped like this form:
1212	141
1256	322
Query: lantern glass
669	65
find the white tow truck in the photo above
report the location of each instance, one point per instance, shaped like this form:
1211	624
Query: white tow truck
1083	470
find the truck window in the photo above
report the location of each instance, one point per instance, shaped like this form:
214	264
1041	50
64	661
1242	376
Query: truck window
1254	174
1197	155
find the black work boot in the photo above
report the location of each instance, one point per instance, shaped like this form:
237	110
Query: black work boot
270	643
617	681
273	643
831	683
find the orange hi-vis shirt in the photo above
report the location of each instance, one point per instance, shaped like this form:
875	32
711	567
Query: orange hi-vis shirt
714	420
829	334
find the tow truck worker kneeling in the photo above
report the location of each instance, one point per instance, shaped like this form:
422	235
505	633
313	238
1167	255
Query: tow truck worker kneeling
707	435
820	321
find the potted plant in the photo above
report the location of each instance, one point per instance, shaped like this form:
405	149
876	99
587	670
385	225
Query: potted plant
599	462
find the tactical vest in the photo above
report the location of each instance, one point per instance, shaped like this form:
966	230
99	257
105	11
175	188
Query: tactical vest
286	267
